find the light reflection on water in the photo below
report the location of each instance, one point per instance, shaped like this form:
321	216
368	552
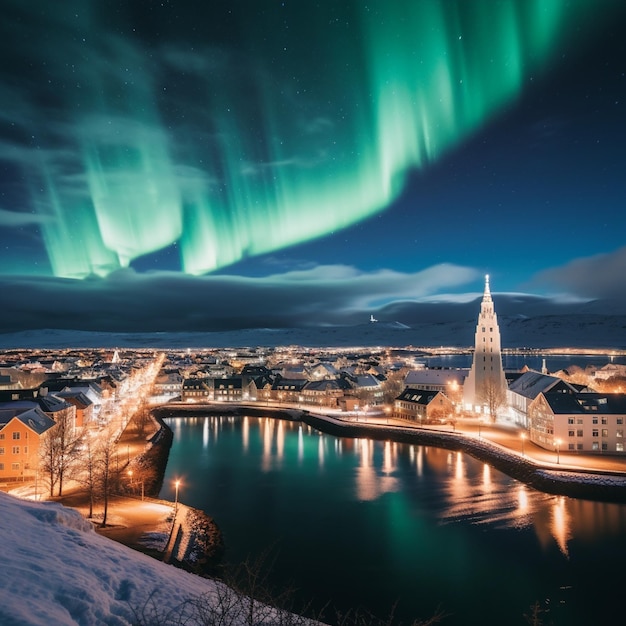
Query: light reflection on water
393	518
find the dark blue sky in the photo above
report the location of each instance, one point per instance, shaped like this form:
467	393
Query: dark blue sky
292	163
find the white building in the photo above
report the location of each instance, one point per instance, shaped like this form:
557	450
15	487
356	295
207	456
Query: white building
486	374
523	390
581	422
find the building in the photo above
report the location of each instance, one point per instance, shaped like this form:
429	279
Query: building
579	422
227	389
326	392
423	406
444	379
526	387
486	376
168	384
232	389
287	390
84	406
20	432
197	390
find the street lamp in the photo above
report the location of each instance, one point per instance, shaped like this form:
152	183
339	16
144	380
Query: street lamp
523	436
558	445
177	483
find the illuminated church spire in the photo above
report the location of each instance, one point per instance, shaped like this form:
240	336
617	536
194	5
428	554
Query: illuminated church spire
486	376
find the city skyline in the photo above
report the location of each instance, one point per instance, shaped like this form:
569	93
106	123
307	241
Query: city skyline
283	164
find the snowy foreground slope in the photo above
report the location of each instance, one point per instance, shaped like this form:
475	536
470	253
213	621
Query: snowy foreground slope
57	570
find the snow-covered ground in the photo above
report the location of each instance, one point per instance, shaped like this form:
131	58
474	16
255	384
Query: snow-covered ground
56	570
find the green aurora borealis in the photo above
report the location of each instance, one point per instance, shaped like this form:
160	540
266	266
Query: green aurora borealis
234	131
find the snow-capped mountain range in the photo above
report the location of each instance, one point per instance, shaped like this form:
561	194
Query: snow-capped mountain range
544	331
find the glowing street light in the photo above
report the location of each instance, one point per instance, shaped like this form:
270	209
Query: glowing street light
523	436
177	483
557	442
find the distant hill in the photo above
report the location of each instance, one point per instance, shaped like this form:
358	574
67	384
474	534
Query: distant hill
543	331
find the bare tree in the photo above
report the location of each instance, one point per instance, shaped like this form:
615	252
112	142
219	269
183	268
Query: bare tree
88	476
493	395
393	386
106	469
142	417
59	451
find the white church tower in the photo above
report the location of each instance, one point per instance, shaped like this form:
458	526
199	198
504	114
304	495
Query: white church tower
486	373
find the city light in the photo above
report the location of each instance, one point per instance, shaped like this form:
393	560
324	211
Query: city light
177	484
523	436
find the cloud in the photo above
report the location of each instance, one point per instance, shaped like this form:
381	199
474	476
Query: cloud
598	276
322	295
127	301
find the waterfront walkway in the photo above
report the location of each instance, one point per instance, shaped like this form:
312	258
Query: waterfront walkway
509	437
502	434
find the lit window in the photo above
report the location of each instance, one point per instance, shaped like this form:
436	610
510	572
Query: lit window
619	447
619	433
605	432
595	445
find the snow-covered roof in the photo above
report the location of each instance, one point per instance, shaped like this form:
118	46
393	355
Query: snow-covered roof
417	396
594	403
367	380
32	416
530	384
416	378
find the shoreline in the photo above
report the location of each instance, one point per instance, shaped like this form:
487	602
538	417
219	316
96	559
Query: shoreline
587	484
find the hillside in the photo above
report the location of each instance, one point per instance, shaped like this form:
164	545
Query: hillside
543	331
58	570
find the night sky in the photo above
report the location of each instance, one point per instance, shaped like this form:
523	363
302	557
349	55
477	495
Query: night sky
255	163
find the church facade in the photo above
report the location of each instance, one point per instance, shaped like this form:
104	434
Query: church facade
486	382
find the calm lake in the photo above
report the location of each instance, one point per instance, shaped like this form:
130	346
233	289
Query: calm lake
361	523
